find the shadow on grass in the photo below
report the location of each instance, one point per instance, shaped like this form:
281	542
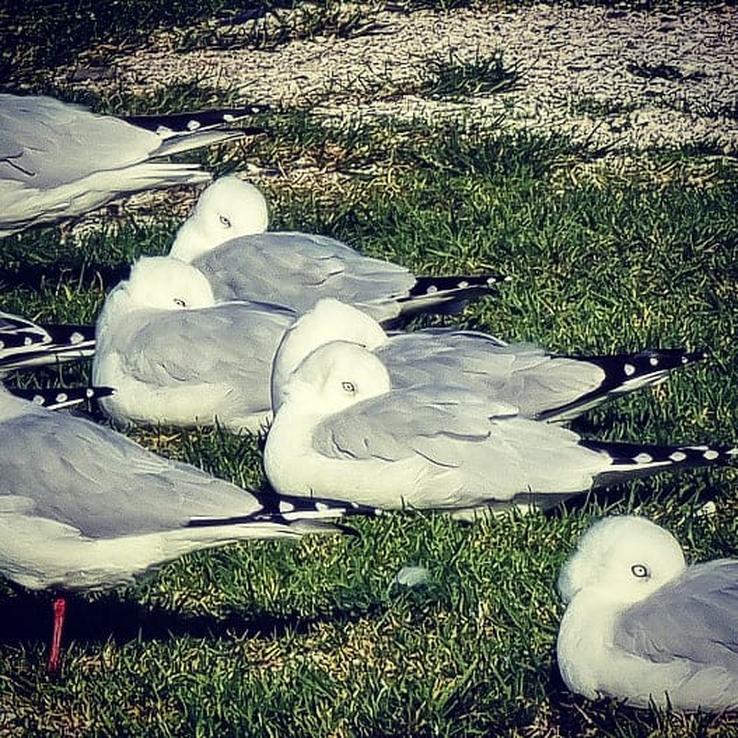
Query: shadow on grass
27	616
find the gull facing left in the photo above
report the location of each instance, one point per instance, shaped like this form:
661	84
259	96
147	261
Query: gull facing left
58	160
343	431
83	507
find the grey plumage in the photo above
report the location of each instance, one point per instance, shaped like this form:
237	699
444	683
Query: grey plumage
252	267
59	160
693	618
82	506
219	356
539	384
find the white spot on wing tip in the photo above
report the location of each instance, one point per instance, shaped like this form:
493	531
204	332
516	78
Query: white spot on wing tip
89	393
192	125
629	370
228	118
463	284
61	397
653	361
27	341
285	507
321	506
711	455
39	399
431	289
678	456
643	458
708	509
76	337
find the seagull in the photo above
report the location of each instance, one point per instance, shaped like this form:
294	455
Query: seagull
643	626
174	357
178	358
83	507
541	385
226	238
343	431
59	160
25	344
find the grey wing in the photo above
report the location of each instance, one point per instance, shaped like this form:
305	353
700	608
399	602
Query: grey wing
484	450
693	618
298	269
47	143
523	375
230	344
71	471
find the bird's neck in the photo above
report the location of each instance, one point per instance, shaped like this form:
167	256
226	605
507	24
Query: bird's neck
190	242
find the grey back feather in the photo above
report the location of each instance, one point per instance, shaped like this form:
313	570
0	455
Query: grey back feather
47	143
232	344
298	269
523	375
694	618
485	451
74	472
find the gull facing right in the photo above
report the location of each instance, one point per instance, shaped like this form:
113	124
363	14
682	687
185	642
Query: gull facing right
83	507
226	238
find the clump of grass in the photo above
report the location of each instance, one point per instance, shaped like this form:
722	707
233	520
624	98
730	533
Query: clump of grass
450	77
661	71
282	24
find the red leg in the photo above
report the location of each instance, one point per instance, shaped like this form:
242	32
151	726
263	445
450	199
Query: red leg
60	608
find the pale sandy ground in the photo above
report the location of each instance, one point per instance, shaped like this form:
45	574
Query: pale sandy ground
574	63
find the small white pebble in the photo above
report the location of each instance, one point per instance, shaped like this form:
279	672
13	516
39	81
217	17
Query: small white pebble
412	576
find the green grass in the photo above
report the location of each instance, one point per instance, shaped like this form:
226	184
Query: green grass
314	639
450	77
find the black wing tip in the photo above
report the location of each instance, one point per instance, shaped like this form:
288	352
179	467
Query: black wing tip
429	285
58	396
287	509
619	368
646	455
69	333
195	120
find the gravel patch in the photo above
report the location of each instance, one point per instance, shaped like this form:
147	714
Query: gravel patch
624	80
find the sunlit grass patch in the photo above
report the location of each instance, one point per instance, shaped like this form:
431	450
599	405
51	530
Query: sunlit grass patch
316	639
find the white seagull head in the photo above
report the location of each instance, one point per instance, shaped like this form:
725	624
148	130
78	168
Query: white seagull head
623	558
329	320
162	283
334	377
227	209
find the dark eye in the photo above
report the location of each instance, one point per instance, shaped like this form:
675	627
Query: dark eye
640	571
349	387
179	302
225	222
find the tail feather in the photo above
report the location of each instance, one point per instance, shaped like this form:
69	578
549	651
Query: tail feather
58	398
151	175
624	373
187	122
447	295
14	326
187	142
632	460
